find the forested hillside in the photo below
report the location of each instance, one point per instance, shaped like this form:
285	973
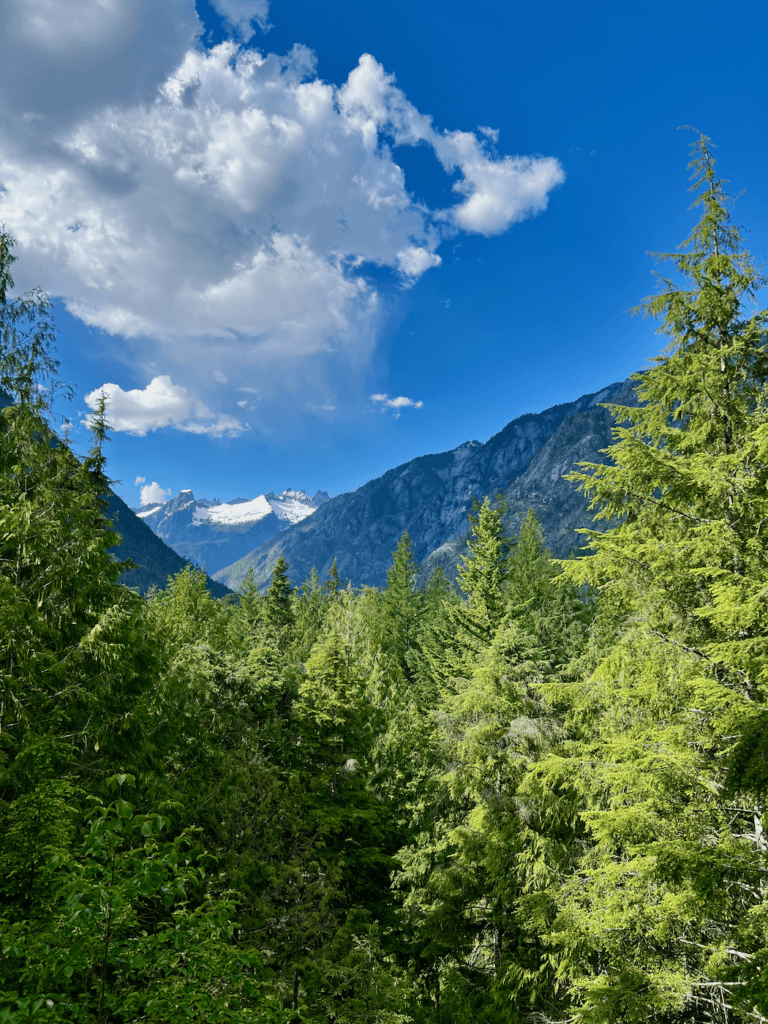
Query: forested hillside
540	801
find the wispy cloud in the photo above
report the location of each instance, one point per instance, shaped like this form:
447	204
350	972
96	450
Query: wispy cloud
397	404
240	15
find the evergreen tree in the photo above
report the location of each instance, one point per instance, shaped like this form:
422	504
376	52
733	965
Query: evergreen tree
333	583
465	630
100	919
402	607
557	615
483	571
278	609
665	913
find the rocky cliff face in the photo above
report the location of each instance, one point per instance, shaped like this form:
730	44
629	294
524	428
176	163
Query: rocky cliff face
431	496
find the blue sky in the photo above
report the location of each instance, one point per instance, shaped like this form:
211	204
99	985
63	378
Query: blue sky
443	205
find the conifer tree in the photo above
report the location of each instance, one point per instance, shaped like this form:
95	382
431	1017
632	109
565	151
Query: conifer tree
468	627
333	583
665	914
401	611
483	571
278	609
66	623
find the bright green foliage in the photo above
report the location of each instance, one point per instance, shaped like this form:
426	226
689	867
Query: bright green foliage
309	611
483	571
689	471
73	645
401	612
65	623
333	583
457	637
462	879
278	611
556	615
466	875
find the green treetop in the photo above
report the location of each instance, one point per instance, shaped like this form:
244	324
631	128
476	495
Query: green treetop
688	472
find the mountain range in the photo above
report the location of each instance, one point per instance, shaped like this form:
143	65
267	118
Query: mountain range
430	497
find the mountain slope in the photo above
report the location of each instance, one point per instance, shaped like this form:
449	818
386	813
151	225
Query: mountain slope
431	496
559	506
214	535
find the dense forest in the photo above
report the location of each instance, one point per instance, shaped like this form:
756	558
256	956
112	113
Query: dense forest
538	800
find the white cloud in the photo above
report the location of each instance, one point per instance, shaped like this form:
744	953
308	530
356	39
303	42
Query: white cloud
161	404
240	15
499	192
414	260
139	480
396	403
227	205
153	494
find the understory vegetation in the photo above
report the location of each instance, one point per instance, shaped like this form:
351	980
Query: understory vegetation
538	800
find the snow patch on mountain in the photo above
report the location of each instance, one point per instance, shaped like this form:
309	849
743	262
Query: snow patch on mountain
235	513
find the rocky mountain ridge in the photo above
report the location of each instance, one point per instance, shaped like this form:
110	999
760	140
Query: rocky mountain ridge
154	560
557	503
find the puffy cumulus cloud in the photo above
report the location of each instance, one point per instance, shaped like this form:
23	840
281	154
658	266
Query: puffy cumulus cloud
498	192
232	218
153	494
161	404
241	14
396	403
